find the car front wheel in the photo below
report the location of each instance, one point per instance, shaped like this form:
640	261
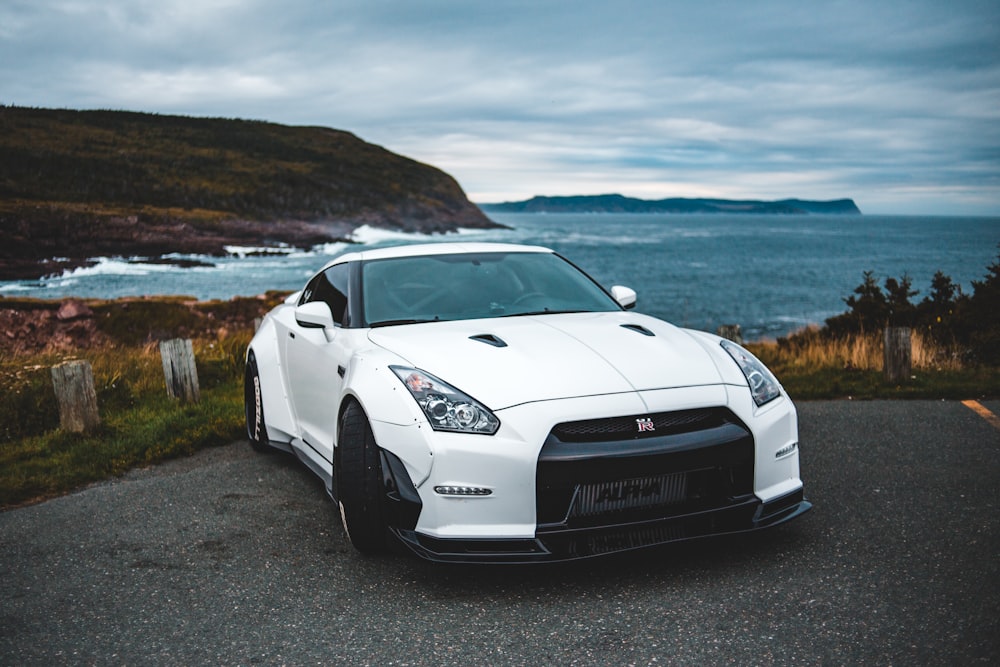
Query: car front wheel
253	404
359	482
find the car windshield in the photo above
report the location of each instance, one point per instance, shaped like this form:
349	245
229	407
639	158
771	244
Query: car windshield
465	286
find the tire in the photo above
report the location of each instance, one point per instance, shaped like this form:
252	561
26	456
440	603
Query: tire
359	482
253	406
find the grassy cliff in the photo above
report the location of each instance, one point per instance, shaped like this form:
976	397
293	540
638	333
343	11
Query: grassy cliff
76	184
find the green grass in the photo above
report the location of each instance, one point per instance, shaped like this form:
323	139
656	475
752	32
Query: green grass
91	165
55	462
833	383
140	424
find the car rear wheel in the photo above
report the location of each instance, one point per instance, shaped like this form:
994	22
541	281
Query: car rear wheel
359	482
253	404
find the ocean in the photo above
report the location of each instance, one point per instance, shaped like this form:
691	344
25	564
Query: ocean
771	274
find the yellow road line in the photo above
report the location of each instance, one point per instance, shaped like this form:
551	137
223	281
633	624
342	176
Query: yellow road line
981	410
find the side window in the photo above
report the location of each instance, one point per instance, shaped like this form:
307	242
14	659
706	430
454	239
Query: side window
310	289
331	287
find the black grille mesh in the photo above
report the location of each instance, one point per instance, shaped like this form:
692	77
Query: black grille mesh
627	428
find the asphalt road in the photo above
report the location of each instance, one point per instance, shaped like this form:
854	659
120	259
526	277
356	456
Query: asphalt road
235	558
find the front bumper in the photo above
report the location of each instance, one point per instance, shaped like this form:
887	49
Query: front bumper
746	516
600	489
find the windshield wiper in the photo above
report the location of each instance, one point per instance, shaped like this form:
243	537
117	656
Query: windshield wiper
392	323
547	312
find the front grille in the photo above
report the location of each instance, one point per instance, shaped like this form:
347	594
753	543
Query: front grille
591	474
627	428
604	497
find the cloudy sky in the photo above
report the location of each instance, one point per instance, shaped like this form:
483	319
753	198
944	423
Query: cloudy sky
895	103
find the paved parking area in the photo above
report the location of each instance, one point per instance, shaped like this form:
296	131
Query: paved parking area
230	557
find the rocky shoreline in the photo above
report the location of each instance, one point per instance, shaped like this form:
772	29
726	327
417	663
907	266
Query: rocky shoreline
50	249
50	244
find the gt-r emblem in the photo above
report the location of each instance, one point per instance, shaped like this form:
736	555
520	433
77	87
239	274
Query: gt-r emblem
645	424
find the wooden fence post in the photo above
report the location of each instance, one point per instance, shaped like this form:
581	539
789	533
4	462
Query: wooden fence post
898	354
179	369
731	332
73	382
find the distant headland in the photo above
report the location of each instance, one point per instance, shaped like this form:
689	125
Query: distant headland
620	204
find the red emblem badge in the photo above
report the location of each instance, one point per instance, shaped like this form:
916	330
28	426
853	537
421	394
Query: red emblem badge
645	424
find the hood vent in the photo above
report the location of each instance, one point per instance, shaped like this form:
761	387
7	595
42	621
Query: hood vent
489	339
638	328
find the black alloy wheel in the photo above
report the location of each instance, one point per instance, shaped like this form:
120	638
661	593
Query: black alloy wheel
359	482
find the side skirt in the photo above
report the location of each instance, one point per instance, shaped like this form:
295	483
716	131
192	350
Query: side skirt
324	472
282	446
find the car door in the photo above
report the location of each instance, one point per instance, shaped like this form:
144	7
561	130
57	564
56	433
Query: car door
316	359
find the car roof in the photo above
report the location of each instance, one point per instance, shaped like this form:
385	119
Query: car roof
423	249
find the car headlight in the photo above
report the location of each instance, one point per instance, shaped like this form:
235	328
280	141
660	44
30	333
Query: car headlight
763	385
446	408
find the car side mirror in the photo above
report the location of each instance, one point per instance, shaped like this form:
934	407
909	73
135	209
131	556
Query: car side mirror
625	296
314	315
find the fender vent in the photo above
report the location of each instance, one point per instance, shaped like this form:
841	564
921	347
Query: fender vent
489	339
639	329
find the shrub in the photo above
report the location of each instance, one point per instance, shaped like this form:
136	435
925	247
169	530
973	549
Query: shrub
964	325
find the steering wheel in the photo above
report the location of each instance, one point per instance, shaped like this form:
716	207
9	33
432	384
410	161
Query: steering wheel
524	297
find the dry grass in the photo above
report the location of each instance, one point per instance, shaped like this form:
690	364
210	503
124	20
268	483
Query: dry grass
140	424
810	349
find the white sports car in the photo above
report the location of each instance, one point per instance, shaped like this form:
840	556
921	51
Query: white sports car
493	403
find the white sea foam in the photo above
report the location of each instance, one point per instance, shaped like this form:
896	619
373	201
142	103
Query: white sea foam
117	266
188	257
245	251
368	235
470	231
328	249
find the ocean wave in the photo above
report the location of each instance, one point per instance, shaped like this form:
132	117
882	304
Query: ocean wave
256	251
471	231
368	235
37	287
18	287
115	266
323	250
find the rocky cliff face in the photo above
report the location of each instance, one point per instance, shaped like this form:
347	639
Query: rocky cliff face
77	184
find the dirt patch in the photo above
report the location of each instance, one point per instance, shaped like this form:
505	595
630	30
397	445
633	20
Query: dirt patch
30	326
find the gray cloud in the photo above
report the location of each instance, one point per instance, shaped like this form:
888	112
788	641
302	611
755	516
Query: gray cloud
896	103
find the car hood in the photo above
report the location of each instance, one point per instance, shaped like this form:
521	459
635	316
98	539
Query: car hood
503	362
